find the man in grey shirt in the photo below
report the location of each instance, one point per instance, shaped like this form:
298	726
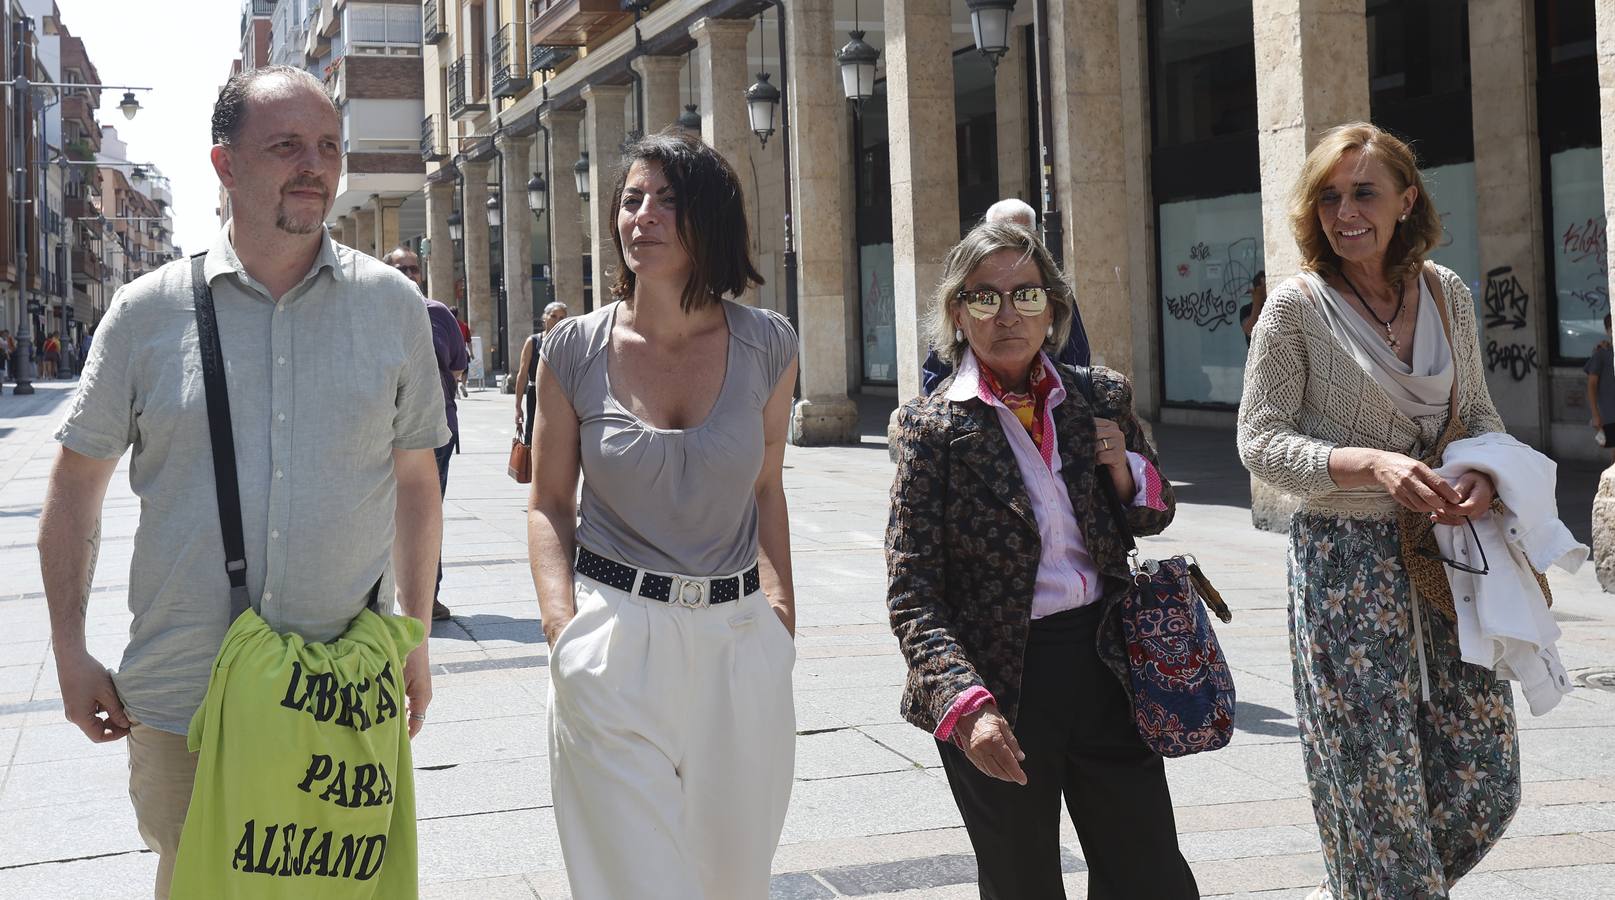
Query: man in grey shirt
335	409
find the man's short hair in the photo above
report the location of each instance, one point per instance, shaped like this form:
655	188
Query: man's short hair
230	112
397	253
1012	211
555	305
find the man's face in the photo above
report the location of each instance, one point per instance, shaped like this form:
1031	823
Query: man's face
283	167
553	316
409	264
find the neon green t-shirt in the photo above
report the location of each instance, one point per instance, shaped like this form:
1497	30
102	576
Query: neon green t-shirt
304	786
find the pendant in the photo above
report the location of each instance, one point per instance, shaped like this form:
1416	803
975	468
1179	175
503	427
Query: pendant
1396	345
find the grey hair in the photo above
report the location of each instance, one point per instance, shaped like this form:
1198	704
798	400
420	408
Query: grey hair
1012	211
230	112
983	241
556	305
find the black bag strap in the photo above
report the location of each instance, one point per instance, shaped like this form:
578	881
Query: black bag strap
1117	511
225	485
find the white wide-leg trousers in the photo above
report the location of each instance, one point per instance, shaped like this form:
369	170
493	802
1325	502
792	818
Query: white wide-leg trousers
672	746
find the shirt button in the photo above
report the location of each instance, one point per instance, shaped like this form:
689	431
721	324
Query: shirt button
280	307
281	361
280	417
275	535
268	595
279	473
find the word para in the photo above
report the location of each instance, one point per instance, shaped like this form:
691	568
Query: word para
1506	300
370	785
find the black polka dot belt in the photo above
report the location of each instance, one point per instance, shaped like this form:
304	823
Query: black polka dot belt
675	589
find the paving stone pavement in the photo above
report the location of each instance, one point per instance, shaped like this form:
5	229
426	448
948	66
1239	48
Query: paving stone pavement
871	815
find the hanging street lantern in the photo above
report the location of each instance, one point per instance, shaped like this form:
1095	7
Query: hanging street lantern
456	227
494	218
762	99
690	119
129	105
989	21
857	60
580	172
537	194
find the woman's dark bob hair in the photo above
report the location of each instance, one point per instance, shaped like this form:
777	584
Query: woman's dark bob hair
711	217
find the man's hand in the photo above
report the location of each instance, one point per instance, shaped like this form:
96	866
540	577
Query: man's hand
89	698
552	630
987	740
417	687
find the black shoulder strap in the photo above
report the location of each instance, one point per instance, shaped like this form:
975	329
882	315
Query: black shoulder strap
1117	510
532	361
225	484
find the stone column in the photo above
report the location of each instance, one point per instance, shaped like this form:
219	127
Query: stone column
924	168
478	263
515	169
1508	220
660	77
566	209
439	248
721	55
1135	139
386	211
824	415
1016	132
603	116
364	229
1311	75
342	231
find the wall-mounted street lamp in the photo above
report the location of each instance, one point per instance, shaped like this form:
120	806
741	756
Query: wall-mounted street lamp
538	194
580	174
129	105
494	216
989	22
456	227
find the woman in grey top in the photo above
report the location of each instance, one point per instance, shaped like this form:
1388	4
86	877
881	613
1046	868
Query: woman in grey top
666	597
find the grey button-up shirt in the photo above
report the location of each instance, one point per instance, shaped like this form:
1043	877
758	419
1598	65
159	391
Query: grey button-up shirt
324	385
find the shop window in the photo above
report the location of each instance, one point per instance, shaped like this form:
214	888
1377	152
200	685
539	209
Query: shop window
1210	251
1573	199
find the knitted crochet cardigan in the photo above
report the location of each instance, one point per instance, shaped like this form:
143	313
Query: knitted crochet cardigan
1306	395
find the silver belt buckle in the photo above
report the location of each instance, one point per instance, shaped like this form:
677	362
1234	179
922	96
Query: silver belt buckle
691	593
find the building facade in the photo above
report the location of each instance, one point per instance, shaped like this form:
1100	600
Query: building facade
1173	132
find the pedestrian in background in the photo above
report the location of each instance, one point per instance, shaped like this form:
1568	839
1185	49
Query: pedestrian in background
1074	352
334	458
1250	312
1006	573
527	371
52	357
667	597
1410	752
1600	369
465	335
450	350
6	346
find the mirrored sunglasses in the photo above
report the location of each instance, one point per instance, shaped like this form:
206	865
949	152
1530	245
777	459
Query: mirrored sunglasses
1029	301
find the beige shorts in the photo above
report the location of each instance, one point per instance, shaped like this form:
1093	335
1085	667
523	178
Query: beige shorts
161	772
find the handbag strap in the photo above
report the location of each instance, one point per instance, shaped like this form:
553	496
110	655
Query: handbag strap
1106	486
225	485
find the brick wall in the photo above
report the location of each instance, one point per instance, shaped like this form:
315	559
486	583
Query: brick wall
385	77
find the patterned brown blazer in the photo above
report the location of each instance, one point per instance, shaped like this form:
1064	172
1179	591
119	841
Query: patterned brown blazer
962	544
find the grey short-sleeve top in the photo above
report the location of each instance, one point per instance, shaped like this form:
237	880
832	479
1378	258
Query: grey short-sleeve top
671	500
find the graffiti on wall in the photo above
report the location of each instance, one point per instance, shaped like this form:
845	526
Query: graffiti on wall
1518	360
1588	243
1506	301
1213	307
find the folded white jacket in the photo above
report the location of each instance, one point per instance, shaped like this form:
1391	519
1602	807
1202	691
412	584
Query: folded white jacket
1503	618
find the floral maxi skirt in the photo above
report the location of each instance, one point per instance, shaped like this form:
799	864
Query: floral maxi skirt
1409	794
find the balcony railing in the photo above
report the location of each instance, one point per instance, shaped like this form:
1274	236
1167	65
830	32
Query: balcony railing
263	7
434	143
463	95
548	57
510	60
433	28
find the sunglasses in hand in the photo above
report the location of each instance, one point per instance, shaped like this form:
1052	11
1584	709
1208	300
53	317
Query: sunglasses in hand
1428	553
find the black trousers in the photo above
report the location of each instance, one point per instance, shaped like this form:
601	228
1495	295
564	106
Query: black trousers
443	454
1075	727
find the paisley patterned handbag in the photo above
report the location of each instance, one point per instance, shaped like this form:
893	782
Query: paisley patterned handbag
1183	691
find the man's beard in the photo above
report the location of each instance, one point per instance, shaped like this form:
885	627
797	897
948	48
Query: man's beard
296	225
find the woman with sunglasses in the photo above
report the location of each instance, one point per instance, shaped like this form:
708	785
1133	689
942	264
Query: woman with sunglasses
1355	368
1006	567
